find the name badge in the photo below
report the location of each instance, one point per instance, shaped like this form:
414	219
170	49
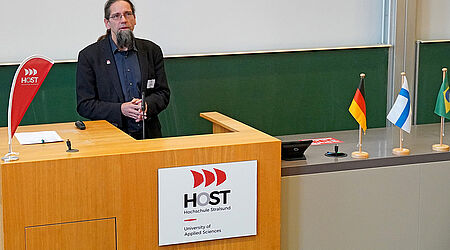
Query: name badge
150	83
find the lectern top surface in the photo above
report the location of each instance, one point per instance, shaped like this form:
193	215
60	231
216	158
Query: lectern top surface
102	138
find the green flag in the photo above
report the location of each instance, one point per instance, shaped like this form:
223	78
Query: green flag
440	101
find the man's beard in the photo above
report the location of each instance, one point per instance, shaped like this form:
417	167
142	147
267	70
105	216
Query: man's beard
125	39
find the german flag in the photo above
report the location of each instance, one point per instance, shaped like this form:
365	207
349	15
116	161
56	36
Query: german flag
358	106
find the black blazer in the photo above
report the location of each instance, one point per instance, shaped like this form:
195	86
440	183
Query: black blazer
99	93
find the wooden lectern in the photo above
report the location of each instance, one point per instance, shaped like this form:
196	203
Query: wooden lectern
106	195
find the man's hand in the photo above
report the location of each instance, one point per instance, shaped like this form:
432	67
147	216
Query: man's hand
143	114
133	110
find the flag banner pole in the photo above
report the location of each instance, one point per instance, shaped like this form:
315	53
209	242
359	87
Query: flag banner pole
442	108
358	111
400	115
27	80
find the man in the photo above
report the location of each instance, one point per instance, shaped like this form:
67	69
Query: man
113	72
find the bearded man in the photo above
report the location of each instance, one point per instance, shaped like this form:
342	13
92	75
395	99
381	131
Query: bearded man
115	72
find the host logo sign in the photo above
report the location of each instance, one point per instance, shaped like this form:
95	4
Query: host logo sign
204	198
207	202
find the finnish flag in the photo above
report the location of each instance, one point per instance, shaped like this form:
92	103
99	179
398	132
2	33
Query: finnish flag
400	114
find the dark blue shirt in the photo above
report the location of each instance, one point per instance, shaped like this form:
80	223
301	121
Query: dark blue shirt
127	64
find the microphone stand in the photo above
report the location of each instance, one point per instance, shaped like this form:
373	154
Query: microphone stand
143	113
143	108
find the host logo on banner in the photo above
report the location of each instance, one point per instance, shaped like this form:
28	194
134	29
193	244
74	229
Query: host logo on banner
29	76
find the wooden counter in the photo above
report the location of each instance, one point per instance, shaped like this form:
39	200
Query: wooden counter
105	196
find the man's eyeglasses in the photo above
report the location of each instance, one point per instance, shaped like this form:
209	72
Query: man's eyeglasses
118	16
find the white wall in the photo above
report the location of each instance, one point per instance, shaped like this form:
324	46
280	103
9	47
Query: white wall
59	29
433	20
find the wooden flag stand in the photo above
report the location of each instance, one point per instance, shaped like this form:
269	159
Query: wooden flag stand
401	150
360	154
441	147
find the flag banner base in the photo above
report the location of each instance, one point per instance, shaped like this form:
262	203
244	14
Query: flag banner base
10	157
440	147
360	155
400	151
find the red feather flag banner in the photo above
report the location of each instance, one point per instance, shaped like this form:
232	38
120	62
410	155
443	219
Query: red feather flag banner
28	79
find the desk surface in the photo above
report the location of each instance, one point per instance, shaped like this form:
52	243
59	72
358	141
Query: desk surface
378	142
92	141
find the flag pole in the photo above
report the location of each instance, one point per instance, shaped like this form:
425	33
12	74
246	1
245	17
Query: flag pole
441	147
401	150
360	139
360	154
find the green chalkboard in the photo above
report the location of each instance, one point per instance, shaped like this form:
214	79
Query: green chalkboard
278	93
432	58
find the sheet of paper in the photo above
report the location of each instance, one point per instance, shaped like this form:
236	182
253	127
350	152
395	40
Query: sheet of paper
37	137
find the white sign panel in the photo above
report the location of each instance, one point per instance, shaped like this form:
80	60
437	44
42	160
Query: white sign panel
207	202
